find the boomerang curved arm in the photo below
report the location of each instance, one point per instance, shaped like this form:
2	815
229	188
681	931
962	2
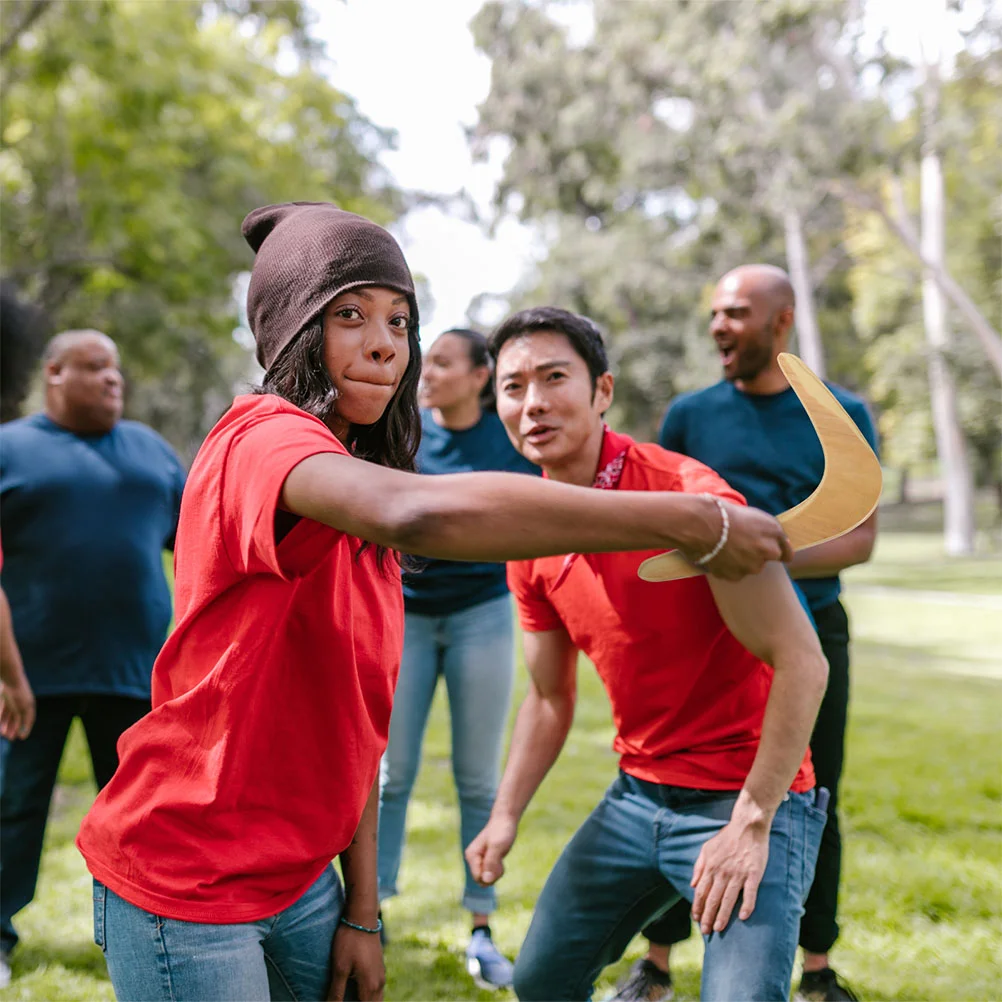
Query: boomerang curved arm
849	489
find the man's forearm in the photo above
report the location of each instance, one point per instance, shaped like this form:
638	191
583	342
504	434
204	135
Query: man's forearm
798	686
540	732
358	865
828	559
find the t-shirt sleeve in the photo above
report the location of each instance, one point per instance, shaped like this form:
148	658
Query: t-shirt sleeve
698	478
535	612
672	434
257	462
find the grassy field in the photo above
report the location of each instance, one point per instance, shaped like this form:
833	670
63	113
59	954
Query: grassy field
922	897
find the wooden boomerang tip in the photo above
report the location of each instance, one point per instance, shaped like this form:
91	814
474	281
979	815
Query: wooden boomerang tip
849	489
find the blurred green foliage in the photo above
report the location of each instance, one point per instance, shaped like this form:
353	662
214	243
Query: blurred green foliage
135	137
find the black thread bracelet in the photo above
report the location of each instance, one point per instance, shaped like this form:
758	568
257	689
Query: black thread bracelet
364	928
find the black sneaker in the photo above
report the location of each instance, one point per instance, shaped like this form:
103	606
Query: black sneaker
646	982
824	986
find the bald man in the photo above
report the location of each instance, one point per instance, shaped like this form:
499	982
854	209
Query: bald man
751	428
88	502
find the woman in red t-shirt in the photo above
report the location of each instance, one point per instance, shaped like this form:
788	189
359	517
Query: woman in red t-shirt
211	847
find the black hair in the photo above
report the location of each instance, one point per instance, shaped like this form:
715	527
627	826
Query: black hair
479	355
585	337
23	330
300	375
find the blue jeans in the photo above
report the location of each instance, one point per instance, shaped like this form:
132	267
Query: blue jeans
475	650
28	772
633	859
285	957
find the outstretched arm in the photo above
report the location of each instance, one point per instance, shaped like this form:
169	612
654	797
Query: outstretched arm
505	516
541	727
764	615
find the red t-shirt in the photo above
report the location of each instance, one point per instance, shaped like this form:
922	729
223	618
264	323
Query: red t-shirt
271	698
687	698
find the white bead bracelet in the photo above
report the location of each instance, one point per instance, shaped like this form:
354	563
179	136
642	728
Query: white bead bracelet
722	542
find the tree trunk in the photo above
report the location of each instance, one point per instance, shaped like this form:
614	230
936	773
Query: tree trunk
808	335
955	468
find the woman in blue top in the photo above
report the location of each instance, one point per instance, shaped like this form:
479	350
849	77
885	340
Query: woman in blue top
459	625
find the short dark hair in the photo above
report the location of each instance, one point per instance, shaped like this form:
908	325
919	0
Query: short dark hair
585	337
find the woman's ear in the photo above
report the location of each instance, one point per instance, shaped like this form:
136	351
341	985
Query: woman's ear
482	374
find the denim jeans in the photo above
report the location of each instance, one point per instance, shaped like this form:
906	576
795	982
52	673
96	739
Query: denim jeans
475	650
819	926
28	772
633	859
286	957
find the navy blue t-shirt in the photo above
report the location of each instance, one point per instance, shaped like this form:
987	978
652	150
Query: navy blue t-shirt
763	446
442	587
84	521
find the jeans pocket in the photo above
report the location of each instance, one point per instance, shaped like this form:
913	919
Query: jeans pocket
100	898
815	819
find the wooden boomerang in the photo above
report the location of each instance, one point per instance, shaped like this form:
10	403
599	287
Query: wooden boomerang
848	492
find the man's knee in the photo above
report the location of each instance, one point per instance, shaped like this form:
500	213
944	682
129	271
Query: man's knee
533	980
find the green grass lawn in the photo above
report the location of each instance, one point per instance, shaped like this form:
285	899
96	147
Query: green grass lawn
922	891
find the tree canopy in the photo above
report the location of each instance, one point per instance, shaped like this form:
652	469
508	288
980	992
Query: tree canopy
670	142
135	137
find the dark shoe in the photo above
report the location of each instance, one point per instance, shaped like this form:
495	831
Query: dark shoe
488	967
824	986
646	982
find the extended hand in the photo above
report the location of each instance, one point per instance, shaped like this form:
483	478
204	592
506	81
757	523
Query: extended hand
729	864
486	852
753	539
357	955
17	710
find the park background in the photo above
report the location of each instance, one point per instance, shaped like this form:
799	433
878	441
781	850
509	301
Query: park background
613	157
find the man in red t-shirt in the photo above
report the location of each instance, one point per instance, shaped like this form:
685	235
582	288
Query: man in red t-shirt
714	689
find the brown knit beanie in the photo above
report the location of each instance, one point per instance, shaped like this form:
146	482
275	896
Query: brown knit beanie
308	253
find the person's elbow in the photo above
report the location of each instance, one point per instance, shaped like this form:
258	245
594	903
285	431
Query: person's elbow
811	667
864	540
806	662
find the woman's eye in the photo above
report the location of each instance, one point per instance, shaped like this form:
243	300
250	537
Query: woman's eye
402	322
349	313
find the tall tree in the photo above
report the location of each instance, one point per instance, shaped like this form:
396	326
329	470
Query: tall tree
678	140
958	486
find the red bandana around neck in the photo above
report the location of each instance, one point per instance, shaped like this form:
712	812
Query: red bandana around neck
610	471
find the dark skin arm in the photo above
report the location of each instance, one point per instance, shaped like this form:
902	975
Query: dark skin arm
17	701
828	559
504	516
360	954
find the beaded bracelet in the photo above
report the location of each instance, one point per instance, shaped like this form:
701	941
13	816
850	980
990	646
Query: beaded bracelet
364	928
722	542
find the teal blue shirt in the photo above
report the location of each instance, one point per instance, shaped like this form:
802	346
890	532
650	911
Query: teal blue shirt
763	446
85	519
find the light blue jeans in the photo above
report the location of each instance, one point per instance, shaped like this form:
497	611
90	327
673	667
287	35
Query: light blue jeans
286	957
633	859
475	650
